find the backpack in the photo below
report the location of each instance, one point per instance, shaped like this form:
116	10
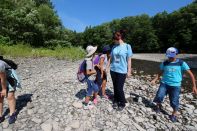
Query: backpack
179	63
96	59
11	63
12	78
81	74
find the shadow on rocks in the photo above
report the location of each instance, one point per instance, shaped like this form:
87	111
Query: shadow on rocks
21	102
148	103
81	94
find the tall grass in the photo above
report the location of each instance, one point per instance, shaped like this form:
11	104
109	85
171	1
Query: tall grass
21	50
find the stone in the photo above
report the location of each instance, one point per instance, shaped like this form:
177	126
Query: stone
36	120
138	119
75	124
46	127
77	105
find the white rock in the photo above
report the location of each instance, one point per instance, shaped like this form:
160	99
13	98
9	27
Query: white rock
36	120
139	119
77	105
75	124
55	126
46	127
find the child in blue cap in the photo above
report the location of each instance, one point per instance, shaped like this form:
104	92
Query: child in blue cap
172	71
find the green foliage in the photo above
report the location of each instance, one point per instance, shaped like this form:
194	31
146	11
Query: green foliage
36	23
21	50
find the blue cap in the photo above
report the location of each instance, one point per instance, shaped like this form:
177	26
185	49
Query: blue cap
171	52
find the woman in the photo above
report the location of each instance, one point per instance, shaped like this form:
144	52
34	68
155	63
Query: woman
120	68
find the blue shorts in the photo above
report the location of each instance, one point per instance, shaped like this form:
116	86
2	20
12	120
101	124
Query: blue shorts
172	91
92	87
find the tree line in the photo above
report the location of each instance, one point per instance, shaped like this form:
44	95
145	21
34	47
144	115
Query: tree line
35	22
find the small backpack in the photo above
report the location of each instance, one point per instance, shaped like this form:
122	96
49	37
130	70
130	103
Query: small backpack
81	74
96	59
11	63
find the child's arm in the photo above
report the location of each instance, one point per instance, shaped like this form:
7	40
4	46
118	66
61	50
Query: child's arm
90	72
193	81
101	65
153	82
3	84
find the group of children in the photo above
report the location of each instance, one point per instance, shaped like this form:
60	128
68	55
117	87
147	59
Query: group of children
172	71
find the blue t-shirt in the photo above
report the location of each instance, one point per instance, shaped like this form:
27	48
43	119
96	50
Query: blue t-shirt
119	56
172	72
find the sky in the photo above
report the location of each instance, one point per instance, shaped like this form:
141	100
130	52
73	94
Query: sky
78	14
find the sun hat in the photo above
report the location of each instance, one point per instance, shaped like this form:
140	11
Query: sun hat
106	49
171	52
90	50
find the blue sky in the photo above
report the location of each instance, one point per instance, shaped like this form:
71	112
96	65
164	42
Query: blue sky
77	14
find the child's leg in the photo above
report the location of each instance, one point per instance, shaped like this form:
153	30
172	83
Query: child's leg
87	99
104	83
89	90
174	93
161	93
1	106
11	102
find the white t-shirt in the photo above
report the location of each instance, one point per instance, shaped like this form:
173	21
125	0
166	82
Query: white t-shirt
90	66
105	61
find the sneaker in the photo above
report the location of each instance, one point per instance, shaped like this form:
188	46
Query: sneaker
12	118
115	105
2	119
105	97
173	118
95	101
87	106
120	108
157	110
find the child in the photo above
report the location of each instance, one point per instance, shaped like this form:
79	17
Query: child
7	88
90	78
171	71
104	64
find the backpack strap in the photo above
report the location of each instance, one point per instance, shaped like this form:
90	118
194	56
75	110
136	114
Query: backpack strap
179	63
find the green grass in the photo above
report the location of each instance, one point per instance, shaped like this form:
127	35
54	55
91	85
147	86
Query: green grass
20	50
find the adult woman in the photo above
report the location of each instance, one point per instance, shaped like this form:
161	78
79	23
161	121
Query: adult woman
120	68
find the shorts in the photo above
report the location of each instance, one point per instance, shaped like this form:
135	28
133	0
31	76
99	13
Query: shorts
172	91
92	87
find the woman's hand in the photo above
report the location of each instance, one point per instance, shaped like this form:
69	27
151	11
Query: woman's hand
128	74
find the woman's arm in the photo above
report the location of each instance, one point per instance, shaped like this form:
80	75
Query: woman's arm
129	67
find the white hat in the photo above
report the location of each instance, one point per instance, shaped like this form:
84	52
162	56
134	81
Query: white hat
90	50
171	52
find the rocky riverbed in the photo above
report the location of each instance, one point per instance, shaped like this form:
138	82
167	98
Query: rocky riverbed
51	101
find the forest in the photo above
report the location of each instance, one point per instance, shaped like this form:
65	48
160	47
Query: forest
36	23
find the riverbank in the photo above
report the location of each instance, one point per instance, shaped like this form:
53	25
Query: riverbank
51	99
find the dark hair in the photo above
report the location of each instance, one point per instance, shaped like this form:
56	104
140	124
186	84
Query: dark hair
119	35
11	63
106	49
